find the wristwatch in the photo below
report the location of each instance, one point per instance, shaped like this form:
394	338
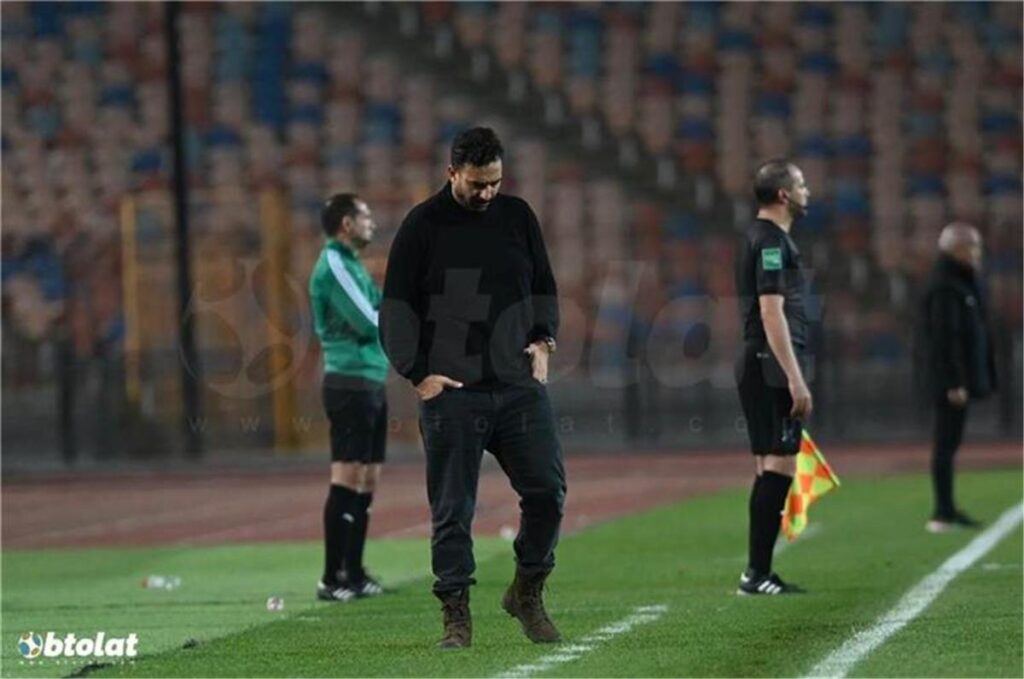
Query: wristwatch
551	344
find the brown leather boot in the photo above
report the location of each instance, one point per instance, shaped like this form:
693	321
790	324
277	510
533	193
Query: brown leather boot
523	600
458	624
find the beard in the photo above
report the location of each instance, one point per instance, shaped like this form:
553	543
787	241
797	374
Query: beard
796	210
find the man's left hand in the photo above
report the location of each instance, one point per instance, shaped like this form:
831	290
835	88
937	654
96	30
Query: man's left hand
538	353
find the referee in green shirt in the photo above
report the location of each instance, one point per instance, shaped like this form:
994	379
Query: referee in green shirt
345	301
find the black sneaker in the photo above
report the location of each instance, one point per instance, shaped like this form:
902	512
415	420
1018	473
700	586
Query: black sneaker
334	592
942	523
367	587
752	583
963	520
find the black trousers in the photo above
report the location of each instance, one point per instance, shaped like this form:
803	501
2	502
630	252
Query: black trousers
949	432
516	425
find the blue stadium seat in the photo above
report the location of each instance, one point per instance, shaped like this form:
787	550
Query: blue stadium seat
814	146
382	123
938	60
773	105
999	123
926	185
850	199
1002	183
663	65
702	15
815	14
44	120
548	21
193	149
221	136
307	113
853	146
733	40
818	62
148	160
118	96
890	26
46	19
314	72
696	129
682	225
691	82
921	124
341	156
818	217
89	53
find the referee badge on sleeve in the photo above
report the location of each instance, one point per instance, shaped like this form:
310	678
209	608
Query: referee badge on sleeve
771	259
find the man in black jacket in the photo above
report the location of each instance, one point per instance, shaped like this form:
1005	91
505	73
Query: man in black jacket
469	317
959	363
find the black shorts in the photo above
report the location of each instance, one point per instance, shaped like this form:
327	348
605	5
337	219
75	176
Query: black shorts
765	398
358	412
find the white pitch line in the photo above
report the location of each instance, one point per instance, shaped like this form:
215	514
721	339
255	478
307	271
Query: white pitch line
569	652
841	661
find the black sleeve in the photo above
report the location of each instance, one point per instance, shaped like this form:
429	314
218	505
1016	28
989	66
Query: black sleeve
771	259
543	288
945	325
401	312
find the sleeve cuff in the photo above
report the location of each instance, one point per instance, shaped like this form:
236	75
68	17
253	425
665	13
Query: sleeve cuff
417	375
540	333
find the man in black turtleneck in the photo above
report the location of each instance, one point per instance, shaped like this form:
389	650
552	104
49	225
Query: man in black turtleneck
960	364
469	317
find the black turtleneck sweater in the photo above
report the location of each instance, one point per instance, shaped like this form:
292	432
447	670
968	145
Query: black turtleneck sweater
466	292
956	330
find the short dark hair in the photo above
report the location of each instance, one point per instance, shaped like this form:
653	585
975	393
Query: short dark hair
337	207
774	175
477	146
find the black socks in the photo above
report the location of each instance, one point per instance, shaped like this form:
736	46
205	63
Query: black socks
752	521
339	518
354	551
767	499
942	482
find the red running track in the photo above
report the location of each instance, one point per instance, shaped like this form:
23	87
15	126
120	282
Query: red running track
205	507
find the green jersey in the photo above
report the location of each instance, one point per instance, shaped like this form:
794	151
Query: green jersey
345	303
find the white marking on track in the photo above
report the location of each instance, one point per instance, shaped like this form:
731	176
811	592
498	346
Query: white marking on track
641	615
841	661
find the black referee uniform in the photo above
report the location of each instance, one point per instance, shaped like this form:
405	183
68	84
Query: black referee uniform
465	292
768	263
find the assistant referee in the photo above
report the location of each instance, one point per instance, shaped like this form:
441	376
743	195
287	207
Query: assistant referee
773	391
345	304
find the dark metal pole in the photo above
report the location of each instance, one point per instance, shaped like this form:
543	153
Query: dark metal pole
190	368
67	375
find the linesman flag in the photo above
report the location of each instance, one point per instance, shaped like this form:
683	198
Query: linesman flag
813	479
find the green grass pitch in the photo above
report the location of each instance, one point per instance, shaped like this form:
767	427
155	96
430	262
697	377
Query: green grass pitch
869	548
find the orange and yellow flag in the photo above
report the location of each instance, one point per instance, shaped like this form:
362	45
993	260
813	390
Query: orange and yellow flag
813	479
